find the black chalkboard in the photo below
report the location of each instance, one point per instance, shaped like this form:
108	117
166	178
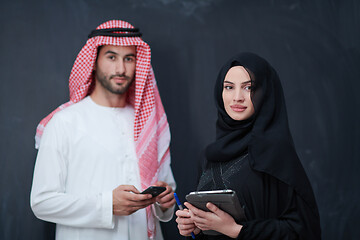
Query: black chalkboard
314	45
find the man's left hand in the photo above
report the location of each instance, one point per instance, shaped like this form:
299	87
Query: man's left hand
166	199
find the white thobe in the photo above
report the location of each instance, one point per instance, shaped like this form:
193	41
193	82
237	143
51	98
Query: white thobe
86	151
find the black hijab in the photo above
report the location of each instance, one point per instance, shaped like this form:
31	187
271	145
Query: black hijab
265	135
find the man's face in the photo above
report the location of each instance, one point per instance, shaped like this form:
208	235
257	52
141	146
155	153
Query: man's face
115	68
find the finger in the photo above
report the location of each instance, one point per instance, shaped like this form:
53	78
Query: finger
199	220
185	221
185	233
188	205
141	203
165	198
126	190
195	210
183	213
186	227
203	227
129	188
140	197
124	196
127	211
168	204
139	200
169	191
216	210
161	184
213	208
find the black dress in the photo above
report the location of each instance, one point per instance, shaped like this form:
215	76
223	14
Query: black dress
272	208
256	158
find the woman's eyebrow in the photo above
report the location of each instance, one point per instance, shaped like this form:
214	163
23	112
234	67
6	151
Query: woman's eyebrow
243	83
226	81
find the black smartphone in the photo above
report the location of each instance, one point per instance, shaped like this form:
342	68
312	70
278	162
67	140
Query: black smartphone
154	190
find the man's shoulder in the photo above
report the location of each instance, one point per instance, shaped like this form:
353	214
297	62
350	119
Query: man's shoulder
74	111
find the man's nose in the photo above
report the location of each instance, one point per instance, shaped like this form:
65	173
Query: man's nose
120	68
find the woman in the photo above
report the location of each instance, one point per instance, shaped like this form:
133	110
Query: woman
254	155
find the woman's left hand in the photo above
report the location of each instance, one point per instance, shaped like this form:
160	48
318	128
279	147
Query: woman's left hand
216	219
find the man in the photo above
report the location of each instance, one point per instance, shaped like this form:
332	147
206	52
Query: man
106	145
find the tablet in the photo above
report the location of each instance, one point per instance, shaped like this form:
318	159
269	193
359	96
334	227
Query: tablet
226	200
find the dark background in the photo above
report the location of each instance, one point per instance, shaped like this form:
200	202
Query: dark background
313	44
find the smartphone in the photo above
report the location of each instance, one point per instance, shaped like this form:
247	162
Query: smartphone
154	190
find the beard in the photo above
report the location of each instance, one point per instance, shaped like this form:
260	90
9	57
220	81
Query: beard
114	88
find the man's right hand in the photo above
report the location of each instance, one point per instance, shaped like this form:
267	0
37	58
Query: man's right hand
127	200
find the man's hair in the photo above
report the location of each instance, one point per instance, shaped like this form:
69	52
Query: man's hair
97	54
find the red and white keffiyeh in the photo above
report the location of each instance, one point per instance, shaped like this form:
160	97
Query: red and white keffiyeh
151	129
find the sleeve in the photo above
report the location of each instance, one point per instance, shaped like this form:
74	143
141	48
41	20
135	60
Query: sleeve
290	225
49	200
165	175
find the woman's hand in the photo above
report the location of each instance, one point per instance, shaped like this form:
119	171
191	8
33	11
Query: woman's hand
185	223
217	220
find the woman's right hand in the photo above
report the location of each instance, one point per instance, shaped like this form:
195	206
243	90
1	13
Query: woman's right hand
216	219
185	223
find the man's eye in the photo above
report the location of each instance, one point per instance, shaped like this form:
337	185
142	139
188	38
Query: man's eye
129	59
112	57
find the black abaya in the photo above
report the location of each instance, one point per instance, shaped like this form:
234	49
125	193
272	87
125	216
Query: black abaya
273	209
256	157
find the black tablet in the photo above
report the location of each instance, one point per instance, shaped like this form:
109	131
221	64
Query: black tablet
226	200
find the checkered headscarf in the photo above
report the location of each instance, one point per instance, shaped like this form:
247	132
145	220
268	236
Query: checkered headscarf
151	129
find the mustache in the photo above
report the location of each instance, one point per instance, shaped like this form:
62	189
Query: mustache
120	76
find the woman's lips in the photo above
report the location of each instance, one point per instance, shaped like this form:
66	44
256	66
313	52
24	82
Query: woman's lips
238	108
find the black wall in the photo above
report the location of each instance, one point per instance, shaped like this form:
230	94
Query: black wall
313	44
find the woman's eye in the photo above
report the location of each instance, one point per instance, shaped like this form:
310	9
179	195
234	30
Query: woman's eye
228	87
247	88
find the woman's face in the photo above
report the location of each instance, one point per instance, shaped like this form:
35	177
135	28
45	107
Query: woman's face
236	94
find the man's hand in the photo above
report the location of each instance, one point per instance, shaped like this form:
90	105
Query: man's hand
127	200
166	199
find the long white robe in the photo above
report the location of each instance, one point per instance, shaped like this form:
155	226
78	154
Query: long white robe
86	151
